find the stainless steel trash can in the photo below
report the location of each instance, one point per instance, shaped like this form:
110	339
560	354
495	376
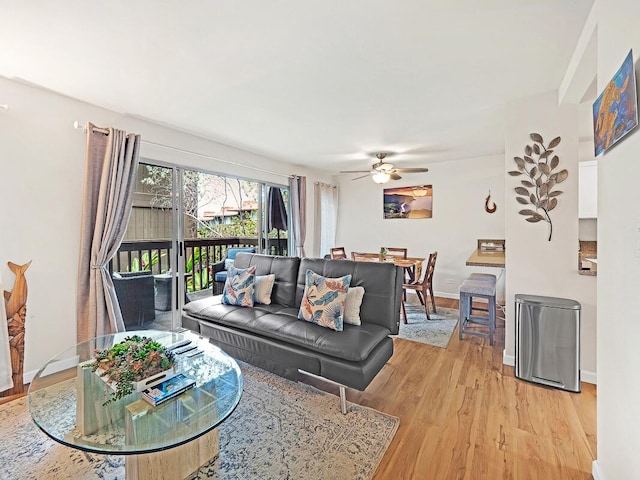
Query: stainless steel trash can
548	341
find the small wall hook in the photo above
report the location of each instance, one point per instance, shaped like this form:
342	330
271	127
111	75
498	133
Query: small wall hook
487	208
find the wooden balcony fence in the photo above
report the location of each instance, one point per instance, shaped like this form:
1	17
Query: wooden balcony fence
200	255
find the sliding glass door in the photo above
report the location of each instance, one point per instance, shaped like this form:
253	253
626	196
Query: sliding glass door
144	269
182	224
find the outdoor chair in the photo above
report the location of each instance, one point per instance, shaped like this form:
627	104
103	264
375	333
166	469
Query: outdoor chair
136	296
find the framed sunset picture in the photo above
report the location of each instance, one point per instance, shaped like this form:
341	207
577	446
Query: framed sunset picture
615	112
408	202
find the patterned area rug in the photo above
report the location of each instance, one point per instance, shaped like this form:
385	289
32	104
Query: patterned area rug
436	332
280	430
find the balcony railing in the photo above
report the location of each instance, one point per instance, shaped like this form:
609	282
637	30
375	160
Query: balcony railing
200	255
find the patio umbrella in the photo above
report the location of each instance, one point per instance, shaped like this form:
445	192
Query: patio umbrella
276	212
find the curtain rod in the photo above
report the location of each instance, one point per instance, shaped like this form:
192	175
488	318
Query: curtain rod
78	126
325	184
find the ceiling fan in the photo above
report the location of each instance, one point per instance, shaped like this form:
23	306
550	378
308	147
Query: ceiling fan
382	172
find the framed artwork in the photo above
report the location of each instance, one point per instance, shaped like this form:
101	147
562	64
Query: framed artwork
408	202
615	112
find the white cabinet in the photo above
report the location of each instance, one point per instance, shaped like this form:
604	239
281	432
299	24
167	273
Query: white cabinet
588	189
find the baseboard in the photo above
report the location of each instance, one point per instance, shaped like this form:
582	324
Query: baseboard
508	359
455	296
28	376
53	367
595	471
589	377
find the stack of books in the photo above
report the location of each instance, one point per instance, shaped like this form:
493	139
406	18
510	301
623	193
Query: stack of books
168	389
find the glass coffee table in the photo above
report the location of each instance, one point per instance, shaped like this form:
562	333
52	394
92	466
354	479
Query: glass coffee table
168	441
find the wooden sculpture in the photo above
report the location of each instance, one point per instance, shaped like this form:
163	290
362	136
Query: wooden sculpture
16	315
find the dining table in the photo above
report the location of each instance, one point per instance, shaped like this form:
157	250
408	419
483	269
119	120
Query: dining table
412	265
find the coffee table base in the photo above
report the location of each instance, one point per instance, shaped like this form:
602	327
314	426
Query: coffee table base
174	463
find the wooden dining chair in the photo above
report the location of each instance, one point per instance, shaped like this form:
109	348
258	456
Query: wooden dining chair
396	252
366	257
338	252
422	288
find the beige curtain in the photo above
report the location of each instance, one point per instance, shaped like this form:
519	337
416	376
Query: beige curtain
110	174
298	195
326	217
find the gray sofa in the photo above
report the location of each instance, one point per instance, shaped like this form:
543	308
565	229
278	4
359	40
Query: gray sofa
272	337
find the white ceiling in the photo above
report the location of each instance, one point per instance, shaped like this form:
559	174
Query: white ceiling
322	83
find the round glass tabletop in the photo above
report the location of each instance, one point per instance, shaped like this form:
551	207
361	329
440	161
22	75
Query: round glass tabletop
67	399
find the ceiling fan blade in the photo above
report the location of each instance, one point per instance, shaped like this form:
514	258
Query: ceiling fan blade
394	176
354	171
412	170
362	176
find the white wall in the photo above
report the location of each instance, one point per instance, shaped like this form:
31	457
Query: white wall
534	265
618	262
459	218
42	160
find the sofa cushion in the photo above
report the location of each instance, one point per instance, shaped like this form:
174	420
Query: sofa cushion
264	287
239	289
354	343
352	305
229	261
382	283
285	270
323	300
232	252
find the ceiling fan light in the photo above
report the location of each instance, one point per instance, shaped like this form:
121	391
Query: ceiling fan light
380	177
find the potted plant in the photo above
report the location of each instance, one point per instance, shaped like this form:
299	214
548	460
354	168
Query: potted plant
133	360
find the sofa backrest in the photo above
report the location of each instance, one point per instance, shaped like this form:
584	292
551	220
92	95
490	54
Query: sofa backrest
382	284
285	269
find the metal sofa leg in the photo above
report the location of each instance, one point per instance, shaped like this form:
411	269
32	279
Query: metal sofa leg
343	399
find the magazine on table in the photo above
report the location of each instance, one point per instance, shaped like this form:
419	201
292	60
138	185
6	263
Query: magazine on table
168	389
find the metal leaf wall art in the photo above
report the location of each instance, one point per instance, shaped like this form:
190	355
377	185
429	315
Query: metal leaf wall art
537	190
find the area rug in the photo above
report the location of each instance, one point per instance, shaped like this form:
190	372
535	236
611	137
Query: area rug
280	430
436	332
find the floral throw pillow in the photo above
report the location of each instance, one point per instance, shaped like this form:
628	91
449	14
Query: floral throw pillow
323	300
239	288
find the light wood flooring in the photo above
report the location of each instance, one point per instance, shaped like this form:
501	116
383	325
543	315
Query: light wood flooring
463	415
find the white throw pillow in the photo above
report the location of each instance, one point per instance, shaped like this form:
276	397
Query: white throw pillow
352	305
228	263
264	286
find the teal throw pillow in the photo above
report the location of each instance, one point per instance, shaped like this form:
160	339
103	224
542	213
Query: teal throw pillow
323	300
239	288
